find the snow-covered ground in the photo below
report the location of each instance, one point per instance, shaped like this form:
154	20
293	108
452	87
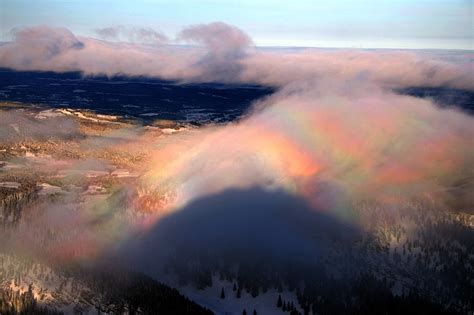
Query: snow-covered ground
50	289
264	303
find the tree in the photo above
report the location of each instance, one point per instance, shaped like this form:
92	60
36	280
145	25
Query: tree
254	312
244	312
254	290
222	294
280	287
279	303
234	288
284	307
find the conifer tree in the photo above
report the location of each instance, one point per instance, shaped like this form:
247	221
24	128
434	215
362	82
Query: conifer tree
280	287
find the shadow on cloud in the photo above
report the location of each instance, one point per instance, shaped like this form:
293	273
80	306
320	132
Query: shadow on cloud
239	225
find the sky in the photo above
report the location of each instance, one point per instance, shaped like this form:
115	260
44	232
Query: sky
431	24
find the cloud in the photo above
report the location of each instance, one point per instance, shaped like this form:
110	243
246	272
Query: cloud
111	32
333	134
37	45
363	143
384	68
221	40
225	45
226	54
138	35
17	126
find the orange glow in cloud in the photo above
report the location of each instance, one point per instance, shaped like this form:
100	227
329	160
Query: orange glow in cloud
386	147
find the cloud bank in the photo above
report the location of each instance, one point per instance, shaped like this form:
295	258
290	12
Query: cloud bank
224	53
